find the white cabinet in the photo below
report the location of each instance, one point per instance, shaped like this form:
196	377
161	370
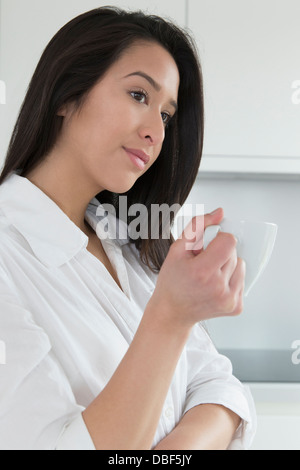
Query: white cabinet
250	56
26	27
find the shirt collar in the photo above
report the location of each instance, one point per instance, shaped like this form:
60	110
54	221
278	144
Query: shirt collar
52	236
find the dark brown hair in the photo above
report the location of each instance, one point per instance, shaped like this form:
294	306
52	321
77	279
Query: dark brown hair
72	63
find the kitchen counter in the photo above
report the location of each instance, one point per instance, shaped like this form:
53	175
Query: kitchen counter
260	365
274	381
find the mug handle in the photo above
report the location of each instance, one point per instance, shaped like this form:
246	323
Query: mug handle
209	234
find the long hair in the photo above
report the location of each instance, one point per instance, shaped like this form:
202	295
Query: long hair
72	63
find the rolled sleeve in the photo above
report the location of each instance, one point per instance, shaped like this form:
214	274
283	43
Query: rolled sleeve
210	380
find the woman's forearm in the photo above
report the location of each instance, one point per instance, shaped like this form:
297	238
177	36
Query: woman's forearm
126	413
204	427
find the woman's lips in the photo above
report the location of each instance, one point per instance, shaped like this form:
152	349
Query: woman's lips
138	157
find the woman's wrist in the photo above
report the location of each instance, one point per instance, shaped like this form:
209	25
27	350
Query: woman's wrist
165	316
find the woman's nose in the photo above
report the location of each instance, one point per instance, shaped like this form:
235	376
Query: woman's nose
153	131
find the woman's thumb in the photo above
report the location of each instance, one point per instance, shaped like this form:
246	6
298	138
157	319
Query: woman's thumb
213	218
192	234
191	238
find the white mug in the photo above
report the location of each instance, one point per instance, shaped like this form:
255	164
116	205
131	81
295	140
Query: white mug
255	243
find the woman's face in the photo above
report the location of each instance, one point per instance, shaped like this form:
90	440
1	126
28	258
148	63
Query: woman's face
118	132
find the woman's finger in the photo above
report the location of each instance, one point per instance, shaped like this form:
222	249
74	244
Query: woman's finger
230	266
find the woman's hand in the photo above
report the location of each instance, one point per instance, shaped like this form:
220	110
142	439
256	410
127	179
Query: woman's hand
195	285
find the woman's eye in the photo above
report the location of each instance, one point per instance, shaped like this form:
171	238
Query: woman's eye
139	96
166	118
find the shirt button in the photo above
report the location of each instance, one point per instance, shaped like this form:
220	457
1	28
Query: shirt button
169	412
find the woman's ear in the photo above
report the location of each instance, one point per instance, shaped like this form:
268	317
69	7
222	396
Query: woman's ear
67	109
63	110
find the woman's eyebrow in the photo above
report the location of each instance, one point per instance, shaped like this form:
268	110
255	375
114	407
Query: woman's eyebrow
152	82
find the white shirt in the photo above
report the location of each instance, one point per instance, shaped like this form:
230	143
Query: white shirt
66	325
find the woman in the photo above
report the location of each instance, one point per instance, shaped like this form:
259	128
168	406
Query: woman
111	354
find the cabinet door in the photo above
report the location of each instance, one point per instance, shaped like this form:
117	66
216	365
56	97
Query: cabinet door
250	56
26	27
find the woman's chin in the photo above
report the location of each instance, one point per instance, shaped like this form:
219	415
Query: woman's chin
122	187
